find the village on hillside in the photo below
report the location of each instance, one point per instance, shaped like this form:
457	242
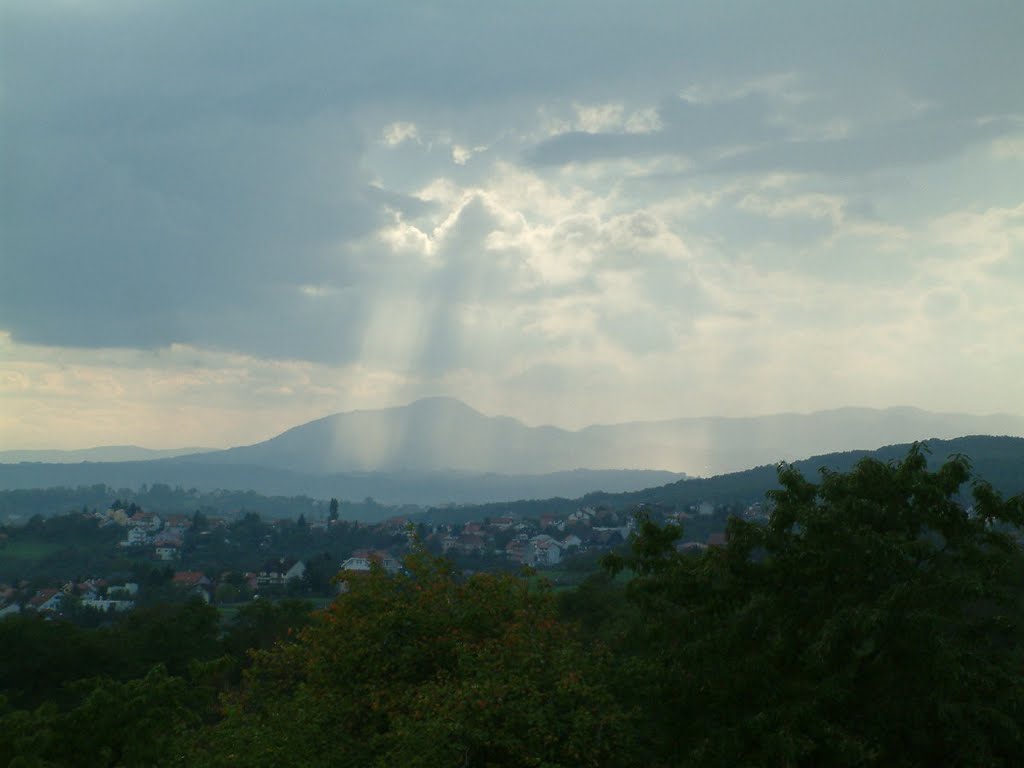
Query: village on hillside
134	556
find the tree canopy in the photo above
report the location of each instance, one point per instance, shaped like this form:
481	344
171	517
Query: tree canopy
424	669
875	620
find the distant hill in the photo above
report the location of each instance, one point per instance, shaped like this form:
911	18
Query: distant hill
997	460
424	488
1000	460
439	450
102	453
431	435
440	434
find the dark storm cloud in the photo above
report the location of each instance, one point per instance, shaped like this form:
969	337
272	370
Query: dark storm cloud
176	172
195	172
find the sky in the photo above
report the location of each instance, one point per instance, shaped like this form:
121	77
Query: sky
219	220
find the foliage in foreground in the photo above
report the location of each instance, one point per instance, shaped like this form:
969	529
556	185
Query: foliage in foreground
872	622
424	669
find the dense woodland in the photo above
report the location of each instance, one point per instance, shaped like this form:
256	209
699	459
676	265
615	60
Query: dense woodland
874	620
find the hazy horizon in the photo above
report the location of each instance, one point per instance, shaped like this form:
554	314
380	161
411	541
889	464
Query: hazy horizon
218	222
574	429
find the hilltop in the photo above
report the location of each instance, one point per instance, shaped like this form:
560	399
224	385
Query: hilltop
443	434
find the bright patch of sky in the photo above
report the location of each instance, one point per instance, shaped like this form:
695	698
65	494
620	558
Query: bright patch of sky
218	221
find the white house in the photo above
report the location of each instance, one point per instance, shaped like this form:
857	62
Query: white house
296	571
121	591
543	550
47	600
138	537
279	572
363	560
150	521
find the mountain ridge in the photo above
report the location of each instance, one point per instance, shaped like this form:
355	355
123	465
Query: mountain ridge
445	434
999	460
100	453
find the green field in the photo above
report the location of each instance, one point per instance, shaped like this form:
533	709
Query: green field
26	548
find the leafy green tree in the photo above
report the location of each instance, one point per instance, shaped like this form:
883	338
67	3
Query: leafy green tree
261	624
424	669
174	635
37	657
104	697
227	593
130	723
333	515
875	620
113	723
28	735
320	573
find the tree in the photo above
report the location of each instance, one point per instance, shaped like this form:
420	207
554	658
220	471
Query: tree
135	722
261	624
424	669
333	516
168	634
111	723
104	697
319	576
875	620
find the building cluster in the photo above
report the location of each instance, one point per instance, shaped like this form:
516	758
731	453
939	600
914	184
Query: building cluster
94	594
540	542
164	537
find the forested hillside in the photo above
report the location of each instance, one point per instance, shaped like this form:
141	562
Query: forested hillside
998	459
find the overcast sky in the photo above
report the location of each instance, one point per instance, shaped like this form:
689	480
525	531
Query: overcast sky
219	220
